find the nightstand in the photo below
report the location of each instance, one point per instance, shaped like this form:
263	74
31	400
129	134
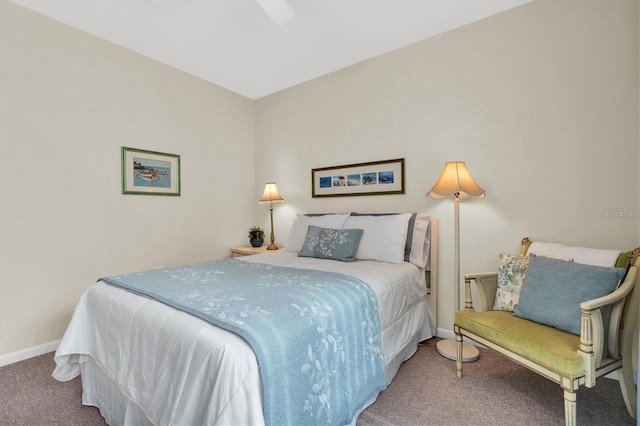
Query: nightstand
247	251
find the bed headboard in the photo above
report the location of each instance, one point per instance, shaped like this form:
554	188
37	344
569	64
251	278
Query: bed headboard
432	288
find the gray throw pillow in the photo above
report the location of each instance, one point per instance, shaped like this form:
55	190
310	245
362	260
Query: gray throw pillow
553	290
327	243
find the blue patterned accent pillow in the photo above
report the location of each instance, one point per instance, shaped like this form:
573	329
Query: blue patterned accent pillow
327	243
553	290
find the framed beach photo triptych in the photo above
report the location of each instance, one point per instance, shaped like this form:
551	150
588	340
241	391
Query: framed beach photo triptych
373	178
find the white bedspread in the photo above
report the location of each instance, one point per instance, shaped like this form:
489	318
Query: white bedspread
178	369
397	286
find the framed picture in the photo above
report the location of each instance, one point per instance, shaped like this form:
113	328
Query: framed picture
149	172
375	178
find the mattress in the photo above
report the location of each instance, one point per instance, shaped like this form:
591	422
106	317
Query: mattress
144	362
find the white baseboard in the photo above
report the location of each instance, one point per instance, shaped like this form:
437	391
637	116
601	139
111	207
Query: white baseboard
449	334
28	353
445	333
613	375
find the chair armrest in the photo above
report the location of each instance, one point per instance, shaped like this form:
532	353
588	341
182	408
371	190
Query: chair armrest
618	295
592	334
487	283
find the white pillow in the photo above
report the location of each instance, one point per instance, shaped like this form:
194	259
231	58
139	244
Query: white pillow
418	243
301	223
587	256
383	237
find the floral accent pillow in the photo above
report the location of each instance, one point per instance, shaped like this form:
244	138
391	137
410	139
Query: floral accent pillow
327	243
511	272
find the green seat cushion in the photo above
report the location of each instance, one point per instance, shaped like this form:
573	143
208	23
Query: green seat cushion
549	347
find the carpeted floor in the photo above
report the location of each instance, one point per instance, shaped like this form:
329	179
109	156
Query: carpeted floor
493	391
30	396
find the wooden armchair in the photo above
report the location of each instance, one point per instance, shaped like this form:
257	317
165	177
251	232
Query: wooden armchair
565	358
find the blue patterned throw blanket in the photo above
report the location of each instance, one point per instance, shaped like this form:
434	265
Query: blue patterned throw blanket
316	334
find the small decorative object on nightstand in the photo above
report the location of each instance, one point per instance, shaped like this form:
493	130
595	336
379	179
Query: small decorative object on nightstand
256	236
247	251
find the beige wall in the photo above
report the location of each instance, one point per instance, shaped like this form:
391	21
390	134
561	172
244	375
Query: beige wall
541	102
68	102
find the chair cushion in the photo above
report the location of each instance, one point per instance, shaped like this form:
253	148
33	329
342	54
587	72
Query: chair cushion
624	258
511	272
587	256
551	348
553	290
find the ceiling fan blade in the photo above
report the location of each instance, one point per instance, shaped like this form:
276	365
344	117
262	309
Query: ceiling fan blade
278	10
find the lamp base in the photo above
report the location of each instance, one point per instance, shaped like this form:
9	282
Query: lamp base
272	246
448	348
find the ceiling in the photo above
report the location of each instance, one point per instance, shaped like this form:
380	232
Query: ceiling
237	45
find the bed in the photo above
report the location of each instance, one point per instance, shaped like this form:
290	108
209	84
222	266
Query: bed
142	361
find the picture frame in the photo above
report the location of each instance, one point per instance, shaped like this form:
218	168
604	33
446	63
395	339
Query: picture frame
373	178
150	172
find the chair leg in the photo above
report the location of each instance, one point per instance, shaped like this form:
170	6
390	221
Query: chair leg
570	408
459	355
625	377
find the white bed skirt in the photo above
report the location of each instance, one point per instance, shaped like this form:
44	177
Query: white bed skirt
117	409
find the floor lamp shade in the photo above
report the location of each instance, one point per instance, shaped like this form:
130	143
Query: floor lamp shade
456	181
271	196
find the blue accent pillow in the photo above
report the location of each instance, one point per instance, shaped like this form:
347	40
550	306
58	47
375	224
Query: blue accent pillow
327	243
553	290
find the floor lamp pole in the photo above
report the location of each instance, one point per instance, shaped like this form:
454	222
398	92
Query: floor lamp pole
448	348
456	235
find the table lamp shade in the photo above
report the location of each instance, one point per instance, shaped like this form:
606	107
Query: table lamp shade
271	194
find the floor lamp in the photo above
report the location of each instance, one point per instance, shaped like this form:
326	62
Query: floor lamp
272	197
456	181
